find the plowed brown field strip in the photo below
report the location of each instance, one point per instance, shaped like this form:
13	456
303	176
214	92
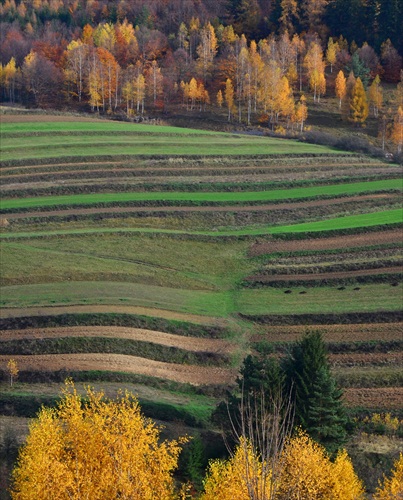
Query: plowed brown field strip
144	311
123	166
230	208
367	359
194	344
35	118
195	375
384	398
333	243
135	180
264	278
335	333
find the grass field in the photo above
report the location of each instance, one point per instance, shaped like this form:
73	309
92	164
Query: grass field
236	197
103	223
164	141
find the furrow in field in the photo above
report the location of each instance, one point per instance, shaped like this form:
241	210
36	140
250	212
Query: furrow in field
363	332
267	278
21	312
193	344
366	359
191	374
158	168
386	398
180	209
333	243
137	180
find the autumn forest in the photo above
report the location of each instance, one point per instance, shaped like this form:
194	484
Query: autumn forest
257	61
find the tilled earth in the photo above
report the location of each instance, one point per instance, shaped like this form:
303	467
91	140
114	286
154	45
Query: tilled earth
333	243
194	344
191	374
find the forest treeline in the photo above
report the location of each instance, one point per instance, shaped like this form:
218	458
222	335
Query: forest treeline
258	61
373	21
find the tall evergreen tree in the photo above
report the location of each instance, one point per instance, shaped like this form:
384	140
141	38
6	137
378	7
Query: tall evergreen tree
318	406
326	419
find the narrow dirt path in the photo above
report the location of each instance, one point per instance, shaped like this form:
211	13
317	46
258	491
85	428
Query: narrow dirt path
190	374
194	344
215	209
333	243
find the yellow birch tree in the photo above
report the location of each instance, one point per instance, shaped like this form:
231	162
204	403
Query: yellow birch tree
316	68
397	130
229	97
331	53
341	87
97	449
12	369
375	95
392	488
301	112
220	99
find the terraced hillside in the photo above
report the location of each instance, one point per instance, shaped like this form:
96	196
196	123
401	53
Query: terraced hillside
155	257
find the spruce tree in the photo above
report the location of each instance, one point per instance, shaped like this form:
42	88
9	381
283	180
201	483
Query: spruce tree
326	419
318	407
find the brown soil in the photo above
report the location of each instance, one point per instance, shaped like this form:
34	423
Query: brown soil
334	333
195	375
34	117
145	311
366	359
385	398
233	208
193	344
333	243
126	166
264	278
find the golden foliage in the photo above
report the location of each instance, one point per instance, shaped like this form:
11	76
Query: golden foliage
392	488
305	473
341	87
397	130
94	448
308	474
12	369
375	95
241	477
359	108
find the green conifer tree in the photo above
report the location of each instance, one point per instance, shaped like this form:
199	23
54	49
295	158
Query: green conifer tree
327	419
318	406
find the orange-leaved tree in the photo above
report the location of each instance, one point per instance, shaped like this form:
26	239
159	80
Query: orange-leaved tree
359	108
340	86
94	448
397	130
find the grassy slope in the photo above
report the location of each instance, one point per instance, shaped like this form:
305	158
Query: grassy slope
176	142
232	197
368	298
339	223
147	267
133	257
